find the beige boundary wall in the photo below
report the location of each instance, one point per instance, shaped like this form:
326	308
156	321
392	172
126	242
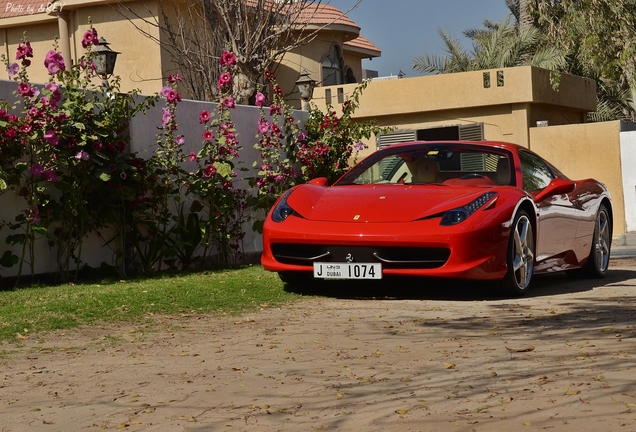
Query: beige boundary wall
591	150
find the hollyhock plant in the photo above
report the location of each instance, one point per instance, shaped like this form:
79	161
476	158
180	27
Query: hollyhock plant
50	175
36	170
259	100
24	89
51	137
208	135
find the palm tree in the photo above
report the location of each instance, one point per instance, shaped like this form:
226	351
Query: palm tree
497	45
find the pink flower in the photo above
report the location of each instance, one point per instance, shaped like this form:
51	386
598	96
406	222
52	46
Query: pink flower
51	137
228	59
359	146
24	89
33	214
54	62
208	135
224	80
165	91
50	175
98	146
172	96
82	155
204	117
260	99
193	156
90	38
13	69
173	78
36	170
179	140
122	175
263	126
228	102
209	171
24	51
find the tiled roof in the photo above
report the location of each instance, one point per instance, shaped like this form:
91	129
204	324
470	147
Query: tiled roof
362	43
321	14
23	8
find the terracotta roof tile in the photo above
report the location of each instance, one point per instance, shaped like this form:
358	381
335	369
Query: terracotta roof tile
23	8
322	14
363	43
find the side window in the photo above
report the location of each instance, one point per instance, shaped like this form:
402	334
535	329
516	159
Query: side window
332	70
536	174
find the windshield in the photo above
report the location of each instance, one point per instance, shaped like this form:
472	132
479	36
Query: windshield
448	164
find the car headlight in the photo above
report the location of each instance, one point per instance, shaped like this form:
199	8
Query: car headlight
283	210
460	214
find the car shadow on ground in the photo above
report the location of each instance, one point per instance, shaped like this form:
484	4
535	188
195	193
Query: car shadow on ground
404	288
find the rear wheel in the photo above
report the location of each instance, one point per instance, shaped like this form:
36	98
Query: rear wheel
520	257
598	261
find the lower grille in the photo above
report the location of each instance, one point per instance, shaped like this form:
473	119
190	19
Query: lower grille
389	256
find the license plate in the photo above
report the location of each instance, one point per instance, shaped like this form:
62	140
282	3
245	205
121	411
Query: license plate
348	270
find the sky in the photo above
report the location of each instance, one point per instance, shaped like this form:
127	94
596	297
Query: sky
404	29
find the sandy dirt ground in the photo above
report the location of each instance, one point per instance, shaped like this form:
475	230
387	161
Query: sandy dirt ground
432	356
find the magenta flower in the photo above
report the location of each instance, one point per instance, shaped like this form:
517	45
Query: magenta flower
54	62
173	96
179	140
98	146
51	137
174	78
33	214
228	59
228	102
165	91
24	51
166	116
263	126
36	170
193	156
82	155
224	80
90	38
269	75
208	135
122	175
51	86
260	99
50	175
13	69
24	89
209	171
204	117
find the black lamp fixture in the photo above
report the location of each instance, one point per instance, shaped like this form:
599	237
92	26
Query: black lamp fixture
306	87
104	60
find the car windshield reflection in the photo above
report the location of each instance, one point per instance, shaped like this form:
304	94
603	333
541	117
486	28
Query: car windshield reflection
440	165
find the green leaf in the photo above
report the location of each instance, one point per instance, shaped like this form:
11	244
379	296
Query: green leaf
79	125
38	229
104	176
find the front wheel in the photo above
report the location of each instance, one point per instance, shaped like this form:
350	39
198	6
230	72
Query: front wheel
520	256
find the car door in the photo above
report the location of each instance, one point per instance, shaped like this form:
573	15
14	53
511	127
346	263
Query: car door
557	216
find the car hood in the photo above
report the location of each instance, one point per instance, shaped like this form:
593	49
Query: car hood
378	203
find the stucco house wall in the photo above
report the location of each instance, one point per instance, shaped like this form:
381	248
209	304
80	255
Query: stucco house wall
591	150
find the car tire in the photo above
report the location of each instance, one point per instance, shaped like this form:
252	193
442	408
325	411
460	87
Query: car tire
520	256
598	260
296	278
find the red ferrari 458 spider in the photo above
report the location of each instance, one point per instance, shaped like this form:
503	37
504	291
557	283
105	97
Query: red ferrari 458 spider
455	209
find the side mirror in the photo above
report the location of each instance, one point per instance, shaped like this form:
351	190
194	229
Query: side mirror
320	181
556	187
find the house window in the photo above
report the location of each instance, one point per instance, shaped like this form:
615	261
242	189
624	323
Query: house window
332	68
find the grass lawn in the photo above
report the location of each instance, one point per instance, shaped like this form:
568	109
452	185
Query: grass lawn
36	309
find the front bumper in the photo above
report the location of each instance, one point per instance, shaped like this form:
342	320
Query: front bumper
473	249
